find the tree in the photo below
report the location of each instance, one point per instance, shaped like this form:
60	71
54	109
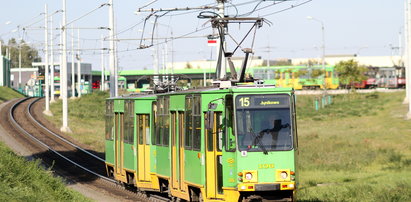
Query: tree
189	66
317	73
28	53
349	72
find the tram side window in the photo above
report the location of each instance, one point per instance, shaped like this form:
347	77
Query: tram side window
294	123
109	120
188	121
143	129
197	123
193	123
155	124
147	128
140	126
166	121
163	124
159	121
230	137
129	122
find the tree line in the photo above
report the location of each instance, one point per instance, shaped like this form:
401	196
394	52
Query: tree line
28	53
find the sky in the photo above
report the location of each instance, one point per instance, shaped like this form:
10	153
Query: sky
365	28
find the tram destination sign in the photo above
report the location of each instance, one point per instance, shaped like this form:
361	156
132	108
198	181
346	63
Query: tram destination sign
262	101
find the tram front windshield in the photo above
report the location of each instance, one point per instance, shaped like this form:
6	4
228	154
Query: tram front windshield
263	123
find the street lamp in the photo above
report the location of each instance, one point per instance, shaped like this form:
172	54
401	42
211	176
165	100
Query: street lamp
323	47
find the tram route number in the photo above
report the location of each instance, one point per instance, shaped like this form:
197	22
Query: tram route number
245	101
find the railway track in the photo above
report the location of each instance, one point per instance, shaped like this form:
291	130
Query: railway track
67	159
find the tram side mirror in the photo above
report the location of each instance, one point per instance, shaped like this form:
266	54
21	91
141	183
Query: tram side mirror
210	120
212	106
210	116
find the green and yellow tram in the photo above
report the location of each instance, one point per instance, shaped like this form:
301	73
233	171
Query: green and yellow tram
298	77
218	144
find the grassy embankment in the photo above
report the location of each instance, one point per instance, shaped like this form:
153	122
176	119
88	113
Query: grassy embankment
8	94
22	180
86	118
356	149
27	181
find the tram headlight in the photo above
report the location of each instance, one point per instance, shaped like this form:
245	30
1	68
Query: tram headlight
248	176
284	175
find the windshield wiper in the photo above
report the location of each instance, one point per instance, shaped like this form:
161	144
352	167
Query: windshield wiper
257	140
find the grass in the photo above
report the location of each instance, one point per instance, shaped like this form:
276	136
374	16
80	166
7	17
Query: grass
355	149
27	181
8	94
86	118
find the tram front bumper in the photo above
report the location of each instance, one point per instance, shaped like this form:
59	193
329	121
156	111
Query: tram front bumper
266	186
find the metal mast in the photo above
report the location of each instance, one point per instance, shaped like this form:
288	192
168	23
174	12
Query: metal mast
63	83
113	70
52	61
221	71
408	56
102	87
46	63
73	92
78	65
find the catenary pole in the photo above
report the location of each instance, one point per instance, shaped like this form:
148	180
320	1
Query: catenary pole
102	65
78	65
73	88
63	83
19	64
46	63
113	70
408	56
60	46
52	62
220	12
405	53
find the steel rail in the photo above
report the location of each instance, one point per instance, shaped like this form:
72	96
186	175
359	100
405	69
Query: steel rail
58	136
12	119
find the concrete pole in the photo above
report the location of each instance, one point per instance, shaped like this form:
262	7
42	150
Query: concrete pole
116	63
78	64
113	70
172	57
156	60
323	56
73	88
19	64
65	127
408	50
52	62
61	61
223	72
46	64
102	80
405	52
163	58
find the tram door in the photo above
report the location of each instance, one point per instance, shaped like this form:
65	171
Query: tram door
143	133
119	145
177	151
214	162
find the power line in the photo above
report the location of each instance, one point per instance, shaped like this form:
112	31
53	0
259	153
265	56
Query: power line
88	13
291	7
